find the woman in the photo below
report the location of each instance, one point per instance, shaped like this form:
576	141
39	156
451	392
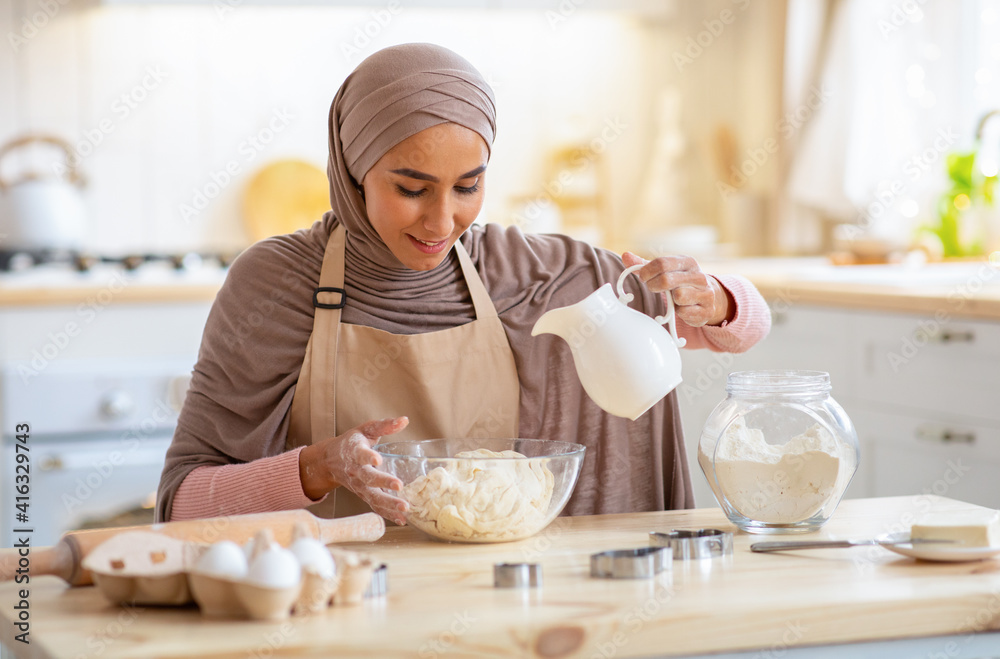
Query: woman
394	304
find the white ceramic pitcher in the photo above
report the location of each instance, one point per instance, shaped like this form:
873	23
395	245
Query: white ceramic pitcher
625	359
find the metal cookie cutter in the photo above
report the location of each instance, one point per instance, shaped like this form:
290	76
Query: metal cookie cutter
517	575
642	563
699	543
379	583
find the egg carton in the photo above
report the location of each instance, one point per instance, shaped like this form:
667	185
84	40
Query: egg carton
147	568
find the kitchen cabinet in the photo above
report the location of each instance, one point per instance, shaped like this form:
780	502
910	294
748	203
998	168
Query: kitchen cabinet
923	391
99	377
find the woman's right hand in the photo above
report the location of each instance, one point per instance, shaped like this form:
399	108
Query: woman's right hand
349	461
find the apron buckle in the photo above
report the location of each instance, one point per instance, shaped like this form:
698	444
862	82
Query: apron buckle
328	289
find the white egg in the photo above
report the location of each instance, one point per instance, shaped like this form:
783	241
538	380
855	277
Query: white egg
275	567
314	557
248	549
223	559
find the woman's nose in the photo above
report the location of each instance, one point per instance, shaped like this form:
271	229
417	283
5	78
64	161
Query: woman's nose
439	218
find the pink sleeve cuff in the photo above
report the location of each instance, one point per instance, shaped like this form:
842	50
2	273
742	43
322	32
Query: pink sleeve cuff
264	485
749	325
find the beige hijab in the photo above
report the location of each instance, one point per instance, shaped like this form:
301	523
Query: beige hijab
241	391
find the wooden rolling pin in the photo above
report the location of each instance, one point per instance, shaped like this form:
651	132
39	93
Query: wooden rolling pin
64	559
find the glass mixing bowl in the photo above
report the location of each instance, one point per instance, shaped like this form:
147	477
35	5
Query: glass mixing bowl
460	493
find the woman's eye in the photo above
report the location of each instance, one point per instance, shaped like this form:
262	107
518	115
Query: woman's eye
410	193
472	189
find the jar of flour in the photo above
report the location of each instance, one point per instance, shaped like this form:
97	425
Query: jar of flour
778	452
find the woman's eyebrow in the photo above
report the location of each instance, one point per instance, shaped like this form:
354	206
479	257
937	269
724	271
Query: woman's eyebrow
412	173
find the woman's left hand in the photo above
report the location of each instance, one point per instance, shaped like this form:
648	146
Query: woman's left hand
699	299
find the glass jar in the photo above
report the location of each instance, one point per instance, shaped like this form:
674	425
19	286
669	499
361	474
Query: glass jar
778	452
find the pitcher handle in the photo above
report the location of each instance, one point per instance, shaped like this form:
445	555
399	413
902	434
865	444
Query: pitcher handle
625	298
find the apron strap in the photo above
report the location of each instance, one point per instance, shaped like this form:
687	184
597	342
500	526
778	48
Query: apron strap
326	323
480	298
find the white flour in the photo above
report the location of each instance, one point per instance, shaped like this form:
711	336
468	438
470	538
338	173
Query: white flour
777	484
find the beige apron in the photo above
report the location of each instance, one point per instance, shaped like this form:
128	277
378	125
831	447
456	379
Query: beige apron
458	382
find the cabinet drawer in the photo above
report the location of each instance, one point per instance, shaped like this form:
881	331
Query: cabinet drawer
908	455
948	366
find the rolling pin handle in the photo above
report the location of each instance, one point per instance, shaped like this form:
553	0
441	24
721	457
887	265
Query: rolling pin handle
58	561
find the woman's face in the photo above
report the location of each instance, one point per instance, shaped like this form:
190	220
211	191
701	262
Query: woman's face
426	191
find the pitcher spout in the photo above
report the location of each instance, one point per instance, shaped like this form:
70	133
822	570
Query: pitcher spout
555	321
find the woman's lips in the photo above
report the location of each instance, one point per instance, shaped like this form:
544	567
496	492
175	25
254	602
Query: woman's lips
426	247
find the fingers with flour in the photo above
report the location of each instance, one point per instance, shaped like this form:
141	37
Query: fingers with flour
698	298
348	460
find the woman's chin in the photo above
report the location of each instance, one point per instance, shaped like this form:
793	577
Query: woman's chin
422	262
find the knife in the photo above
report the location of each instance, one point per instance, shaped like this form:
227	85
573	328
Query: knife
830	544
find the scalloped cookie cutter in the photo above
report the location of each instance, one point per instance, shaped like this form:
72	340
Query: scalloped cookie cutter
694	544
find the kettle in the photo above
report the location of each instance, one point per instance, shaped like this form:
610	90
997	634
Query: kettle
42	211
626	361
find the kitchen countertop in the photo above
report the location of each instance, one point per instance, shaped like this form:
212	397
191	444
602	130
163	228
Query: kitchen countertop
968	289
442	601
962	289
154	283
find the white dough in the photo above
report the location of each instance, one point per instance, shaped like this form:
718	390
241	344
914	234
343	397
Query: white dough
481	499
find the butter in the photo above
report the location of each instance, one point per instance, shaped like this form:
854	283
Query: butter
974	528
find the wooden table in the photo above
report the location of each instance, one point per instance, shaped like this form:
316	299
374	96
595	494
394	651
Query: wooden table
442	602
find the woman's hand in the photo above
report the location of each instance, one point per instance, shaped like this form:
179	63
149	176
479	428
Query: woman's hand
699	299
349	461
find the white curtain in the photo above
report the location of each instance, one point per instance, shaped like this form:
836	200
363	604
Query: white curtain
901	83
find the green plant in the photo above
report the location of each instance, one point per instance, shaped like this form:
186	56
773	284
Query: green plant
969	189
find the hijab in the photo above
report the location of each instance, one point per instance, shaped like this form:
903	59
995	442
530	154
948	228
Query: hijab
242	387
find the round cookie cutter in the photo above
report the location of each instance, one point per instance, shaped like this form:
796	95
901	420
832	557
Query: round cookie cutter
692	544
517	575
642	563
379	584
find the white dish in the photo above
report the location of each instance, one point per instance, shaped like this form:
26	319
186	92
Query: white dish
941	552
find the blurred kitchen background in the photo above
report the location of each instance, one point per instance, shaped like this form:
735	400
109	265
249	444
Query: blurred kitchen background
722	127
144	143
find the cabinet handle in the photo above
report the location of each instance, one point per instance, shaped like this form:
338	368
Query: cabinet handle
51	463
945	435
953	336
